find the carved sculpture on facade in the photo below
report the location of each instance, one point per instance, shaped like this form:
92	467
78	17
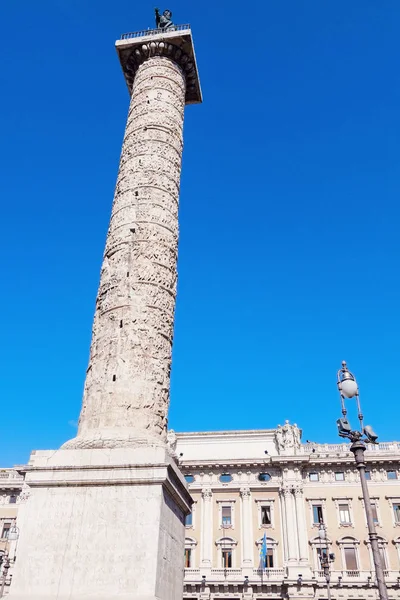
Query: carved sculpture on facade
172	441
287	438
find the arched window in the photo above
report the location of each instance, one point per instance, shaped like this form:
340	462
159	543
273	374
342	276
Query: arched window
226	550
320	549
382	543
190	545
271	559
350	557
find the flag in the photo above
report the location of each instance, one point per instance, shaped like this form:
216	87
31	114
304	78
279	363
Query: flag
263	551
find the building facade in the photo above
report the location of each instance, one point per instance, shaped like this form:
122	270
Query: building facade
13	493
248	485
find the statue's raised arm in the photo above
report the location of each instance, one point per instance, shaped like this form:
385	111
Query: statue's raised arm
157	12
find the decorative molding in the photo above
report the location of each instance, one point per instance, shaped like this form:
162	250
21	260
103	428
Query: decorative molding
160	48
260	504
206	494
221	504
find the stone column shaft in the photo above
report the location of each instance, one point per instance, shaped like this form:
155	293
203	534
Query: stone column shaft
126	395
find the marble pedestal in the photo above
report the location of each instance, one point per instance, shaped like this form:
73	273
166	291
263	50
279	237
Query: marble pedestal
102	525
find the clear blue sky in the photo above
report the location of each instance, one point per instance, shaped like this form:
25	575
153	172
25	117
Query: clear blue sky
289	248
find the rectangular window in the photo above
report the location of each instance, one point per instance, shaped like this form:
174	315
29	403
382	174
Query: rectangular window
269	559
188	558
13	499
226	516
6	530
318	516
339	476
392	474
313	477
351	559
226	559
189	520
374	513
383	557
368	475
344	514
396	510
265	515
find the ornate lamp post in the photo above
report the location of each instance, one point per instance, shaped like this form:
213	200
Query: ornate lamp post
326	558
348	388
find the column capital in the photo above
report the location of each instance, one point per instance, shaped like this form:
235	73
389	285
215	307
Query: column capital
298	491
245	492
176	46
286	490
206	493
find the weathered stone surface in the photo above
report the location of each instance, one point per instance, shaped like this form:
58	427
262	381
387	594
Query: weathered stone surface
126	395
113	526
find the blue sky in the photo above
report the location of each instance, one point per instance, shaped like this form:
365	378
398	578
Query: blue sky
289	248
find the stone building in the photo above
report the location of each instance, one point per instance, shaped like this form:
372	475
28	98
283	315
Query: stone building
13	492
249	483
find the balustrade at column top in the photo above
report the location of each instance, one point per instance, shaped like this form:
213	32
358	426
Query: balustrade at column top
175	44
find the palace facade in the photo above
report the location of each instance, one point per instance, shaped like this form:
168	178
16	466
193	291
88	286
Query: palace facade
247	485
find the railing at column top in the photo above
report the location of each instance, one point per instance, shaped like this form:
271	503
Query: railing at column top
143	33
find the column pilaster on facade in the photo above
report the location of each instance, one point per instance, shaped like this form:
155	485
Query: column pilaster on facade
290	524
206	531
301	524
247	529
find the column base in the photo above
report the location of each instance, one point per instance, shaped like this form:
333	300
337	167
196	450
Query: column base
102	525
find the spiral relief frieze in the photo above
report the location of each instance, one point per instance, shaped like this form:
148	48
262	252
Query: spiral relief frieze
126	395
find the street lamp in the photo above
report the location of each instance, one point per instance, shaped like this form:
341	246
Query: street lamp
348	388
326	558
13	535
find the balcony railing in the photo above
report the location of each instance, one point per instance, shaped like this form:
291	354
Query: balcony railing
346	575
383	447
10	475
138	34
265	574
235	575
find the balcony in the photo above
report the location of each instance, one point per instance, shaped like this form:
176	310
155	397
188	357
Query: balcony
10	475
146	32
335	449
236	576
350	576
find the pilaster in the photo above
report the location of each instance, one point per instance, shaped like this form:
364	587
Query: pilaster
247	532
206	532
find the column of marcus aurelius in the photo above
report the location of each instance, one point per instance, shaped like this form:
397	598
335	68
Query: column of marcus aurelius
106	515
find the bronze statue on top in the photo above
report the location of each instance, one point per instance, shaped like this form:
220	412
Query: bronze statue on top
164	21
